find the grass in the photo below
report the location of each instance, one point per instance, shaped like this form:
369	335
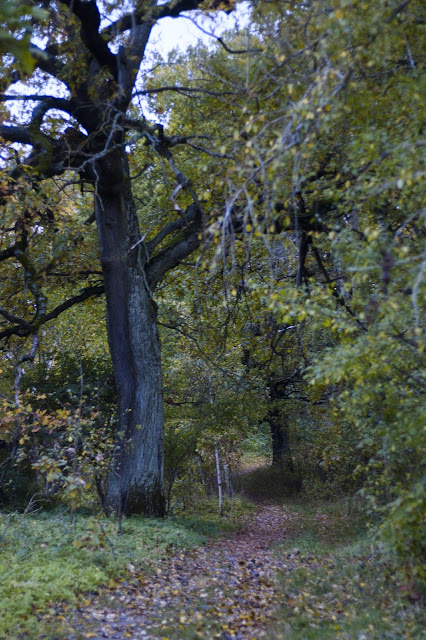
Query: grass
45	560
341	585
204	519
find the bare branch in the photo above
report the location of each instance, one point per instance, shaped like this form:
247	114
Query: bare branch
20	330
182	90
220	41
398	10
224	371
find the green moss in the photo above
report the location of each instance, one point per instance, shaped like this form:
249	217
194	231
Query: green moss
44	559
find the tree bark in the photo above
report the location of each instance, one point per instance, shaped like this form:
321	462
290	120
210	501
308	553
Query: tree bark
135	483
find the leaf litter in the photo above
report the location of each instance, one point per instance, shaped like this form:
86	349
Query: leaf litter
227	589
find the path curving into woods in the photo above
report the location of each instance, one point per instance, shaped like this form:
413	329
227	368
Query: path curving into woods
226	589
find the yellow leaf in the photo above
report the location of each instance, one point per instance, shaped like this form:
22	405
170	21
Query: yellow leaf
339	14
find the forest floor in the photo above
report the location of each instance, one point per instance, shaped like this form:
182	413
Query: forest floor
293	571
225	589
277	566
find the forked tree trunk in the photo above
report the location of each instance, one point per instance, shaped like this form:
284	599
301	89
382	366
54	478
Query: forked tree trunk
135	483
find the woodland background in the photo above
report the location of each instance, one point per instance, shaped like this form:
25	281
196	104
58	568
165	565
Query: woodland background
291	330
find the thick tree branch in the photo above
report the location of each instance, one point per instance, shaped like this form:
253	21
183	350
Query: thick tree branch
172	227
16	134
48	62
30	356
150	16
12	318
184	245
305	241
9	252
299	221
174	9
129	59
90	19
30	328
46	105
33	97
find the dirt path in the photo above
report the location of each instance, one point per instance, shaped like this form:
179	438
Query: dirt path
224	590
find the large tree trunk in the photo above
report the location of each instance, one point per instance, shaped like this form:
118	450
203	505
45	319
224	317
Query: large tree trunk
278	423
99	100
135	483
280	438
281	452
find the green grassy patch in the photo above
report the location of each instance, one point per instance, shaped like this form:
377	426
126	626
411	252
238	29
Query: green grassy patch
44	560
339	584
203	518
